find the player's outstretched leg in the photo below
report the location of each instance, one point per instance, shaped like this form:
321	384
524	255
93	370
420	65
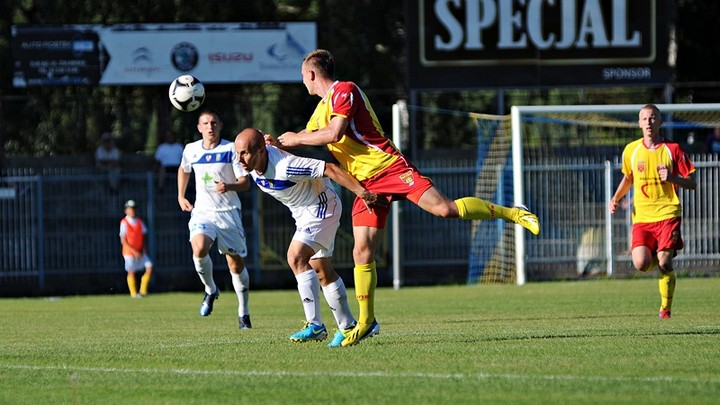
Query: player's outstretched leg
476	208
527	219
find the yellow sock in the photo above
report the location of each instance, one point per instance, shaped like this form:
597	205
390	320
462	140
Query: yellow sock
365	282
144	283
666	285
476	208
132	284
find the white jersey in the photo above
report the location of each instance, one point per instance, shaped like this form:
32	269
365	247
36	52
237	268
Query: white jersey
212	166
297	182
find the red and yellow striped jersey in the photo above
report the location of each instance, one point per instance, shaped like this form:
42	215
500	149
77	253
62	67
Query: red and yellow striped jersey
363	150
654	200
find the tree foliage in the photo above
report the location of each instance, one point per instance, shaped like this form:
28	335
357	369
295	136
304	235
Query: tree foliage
367	38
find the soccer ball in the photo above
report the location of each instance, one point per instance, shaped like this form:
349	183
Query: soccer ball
186	93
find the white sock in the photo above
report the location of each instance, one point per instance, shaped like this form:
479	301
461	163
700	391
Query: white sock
309	289
204	268
336	297
241	283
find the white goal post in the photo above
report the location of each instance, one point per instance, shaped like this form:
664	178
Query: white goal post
518	117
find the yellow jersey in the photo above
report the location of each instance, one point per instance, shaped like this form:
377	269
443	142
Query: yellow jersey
654	200
363	150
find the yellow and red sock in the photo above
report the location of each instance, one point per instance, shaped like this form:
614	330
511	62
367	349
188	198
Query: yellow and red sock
476	208
365	282
666	285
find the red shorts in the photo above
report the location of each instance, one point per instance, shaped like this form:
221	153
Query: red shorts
658	236
400	181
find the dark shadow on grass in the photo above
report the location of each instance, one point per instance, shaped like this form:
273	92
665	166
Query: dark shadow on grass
434	340
590	335
608	316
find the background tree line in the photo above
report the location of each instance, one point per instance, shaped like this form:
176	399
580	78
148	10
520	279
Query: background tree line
367	38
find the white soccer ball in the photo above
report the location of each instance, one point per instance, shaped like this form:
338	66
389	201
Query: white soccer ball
186	93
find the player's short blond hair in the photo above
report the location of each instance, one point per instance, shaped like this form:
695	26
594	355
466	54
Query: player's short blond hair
321	61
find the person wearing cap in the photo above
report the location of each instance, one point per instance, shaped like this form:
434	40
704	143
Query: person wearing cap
107	159
134	250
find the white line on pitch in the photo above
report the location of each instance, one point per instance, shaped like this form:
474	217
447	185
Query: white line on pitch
354	374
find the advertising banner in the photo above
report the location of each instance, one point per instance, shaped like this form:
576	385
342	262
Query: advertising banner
514	43
139	54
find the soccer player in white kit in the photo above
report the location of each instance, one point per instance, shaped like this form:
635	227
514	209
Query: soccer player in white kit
215	216
302	184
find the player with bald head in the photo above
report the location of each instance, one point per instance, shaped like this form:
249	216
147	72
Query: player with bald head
303	185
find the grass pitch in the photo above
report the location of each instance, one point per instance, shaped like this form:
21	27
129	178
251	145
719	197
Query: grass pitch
567	342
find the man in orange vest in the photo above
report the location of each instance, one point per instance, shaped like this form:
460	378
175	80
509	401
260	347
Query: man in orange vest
132	238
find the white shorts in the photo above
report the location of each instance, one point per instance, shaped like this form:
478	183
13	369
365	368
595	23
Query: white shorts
133	264
223	227
319	233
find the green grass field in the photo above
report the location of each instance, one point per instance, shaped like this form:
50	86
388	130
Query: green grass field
565	342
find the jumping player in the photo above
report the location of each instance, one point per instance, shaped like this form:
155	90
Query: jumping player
345	122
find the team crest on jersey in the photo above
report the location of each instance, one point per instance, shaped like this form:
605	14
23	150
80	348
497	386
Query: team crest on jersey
407	178
641	167
208	158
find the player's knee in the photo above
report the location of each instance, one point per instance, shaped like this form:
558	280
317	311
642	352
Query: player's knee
665	267
297	262
363	254
445	210
643	264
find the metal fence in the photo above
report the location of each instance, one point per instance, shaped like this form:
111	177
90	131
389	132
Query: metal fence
580	238
58	231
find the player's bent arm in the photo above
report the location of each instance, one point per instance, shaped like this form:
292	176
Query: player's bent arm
330	134
243	184
183	180
343	178
684	182
622	189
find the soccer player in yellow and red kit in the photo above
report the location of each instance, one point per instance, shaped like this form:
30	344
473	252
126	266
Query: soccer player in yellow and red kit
345	122
655	168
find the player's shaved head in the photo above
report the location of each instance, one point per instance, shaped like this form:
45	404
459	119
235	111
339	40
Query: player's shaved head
251	150
251	137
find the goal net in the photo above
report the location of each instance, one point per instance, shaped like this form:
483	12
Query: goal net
566	166
563	163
